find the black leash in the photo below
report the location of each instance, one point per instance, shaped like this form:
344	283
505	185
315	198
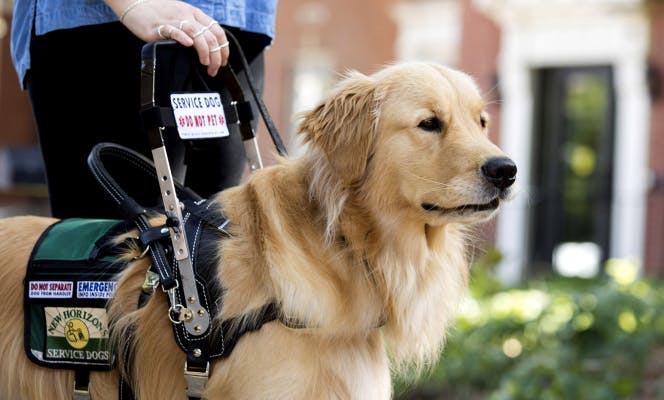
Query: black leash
269	124
134	211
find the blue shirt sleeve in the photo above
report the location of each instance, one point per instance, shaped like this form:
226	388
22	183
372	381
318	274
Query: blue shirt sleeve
256	16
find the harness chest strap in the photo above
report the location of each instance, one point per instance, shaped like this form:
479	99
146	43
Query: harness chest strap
198	321
193	338
202	223
81	383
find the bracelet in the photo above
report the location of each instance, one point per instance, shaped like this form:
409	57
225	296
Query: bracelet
131	7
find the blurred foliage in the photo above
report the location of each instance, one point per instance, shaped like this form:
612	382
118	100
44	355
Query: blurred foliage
552	338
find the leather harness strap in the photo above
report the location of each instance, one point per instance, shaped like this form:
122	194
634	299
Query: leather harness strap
204	225
189	280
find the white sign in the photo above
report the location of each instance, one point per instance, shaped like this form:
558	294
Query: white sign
95	289
199	115
51	289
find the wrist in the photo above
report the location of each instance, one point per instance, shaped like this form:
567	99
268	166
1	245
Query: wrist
125	11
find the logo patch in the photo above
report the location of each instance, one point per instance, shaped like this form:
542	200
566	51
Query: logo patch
95	289
51	289
76	334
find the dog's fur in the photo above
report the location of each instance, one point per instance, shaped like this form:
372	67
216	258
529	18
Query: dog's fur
363	238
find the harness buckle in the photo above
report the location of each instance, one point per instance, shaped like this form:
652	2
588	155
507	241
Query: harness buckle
151	282
80	393
196	380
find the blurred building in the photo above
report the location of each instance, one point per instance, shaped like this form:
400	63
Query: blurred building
575	89
579	87
576	97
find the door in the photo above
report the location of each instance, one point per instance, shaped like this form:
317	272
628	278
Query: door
572	165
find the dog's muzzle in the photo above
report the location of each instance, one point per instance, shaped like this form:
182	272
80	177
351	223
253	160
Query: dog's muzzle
500	172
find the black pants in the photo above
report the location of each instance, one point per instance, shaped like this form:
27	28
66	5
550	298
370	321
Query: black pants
84	85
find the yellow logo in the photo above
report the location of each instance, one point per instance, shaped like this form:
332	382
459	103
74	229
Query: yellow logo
76	333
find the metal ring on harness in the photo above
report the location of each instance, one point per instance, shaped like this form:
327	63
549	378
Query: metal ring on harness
173	310
145	251
178	306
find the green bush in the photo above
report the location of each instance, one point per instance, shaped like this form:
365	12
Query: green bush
552	338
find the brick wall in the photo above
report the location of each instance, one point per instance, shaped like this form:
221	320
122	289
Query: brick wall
654	260
356	35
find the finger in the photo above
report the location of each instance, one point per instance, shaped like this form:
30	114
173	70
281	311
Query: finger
213	51
197	33
217	32
221	38
214	54
160	32
217	56
168	31
182	23
203	42
181	37
215	63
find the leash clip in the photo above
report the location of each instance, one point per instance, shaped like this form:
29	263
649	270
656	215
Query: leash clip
179	314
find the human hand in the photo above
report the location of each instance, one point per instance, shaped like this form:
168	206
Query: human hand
152	20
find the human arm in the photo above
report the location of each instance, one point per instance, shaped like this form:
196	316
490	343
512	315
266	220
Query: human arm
152	20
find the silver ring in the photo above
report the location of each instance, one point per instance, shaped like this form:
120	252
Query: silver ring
211	23
161	35
221	46
168	34
184	21
199	33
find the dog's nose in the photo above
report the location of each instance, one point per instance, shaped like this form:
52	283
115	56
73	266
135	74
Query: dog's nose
500	171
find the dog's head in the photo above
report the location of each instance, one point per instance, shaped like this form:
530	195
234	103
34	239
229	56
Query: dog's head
411	139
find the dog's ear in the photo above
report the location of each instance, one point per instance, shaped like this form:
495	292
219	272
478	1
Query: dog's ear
344	125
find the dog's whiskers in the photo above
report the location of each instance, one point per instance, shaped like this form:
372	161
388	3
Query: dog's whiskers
439	184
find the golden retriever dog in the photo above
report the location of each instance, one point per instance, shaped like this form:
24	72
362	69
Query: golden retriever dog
363	239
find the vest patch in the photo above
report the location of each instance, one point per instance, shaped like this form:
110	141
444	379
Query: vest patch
95	289
50	289
71	275
76	334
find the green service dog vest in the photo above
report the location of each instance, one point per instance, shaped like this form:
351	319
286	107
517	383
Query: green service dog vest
70	277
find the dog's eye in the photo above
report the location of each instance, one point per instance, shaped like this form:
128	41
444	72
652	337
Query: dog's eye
432	124
484	120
